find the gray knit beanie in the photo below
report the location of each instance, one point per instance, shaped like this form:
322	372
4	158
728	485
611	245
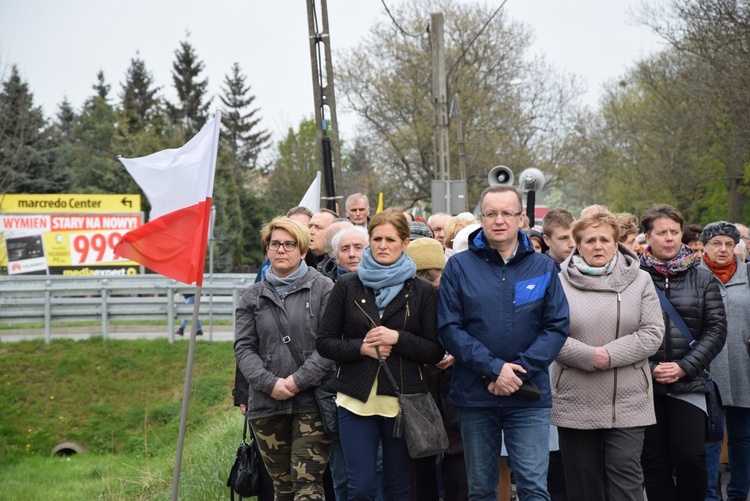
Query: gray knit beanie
720	228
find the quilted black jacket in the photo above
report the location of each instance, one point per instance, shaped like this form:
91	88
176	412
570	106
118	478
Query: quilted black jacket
351	313
696	295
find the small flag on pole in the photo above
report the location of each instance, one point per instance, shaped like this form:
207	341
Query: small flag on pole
179	184
311	200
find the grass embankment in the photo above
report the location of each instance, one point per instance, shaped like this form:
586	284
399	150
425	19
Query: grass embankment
120	401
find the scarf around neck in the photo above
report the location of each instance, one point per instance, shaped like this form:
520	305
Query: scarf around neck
284	284
587	269
684	260
386	280
723	272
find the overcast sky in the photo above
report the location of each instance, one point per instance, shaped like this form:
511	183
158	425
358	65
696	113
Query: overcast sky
60	45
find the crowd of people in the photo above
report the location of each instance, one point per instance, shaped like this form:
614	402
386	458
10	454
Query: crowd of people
576	355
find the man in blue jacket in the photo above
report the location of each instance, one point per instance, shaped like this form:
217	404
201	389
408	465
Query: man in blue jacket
503	315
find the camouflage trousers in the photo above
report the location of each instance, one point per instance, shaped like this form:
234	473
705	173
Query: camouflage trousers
295	452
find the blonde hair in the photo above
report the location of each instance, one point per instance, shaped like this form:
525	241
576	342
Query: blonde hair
628	225
452	227
300	233
596	219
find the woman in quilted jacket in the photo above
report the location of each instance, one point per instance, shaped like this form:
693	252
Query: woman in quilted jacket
674	456
602	390
381	309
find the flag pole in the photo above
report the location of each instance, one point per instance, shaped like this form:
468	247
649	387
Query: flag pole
193	334
186	394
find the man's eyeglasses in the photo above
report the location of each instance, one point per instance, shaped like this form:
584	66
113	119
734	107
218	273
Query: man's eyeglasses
504	214
289	245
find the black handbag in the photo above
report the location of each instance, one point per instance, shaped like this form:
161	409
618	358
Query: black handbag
324	395
714	409
418	420
244	477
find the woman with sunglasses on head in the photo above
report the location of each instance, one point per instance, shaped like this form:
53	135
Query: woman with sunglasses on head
381	310
276	326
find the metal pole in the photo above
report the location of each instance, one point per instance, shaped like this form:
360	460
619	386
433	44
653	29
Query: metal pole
324	95
328	175
186	394
211	273
530	207
439	94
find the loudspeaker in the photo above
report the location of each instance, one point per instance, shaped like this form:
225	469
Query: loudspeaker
531	179
500	175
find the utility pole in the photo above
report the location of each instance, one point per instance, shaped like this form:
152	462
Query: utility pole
327	130
439	93
461	142
447	195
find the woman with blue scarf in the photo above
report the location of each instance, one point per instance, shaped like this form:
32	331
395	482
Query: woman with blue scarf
382	308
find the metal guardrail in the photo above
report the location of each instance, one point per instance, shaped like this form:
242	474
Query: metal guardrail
55	299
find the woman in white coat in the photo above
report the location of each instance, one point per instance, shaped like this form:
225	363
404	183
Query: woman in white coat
602	395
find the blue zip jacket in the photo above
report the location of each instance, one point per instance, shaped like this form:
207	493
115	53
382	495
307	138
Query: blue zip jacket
491	312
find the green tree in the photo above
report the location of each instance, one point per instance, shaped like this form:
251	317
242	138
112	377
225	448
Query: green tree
294	168
242	123
25	163
714	36
189	112
386	81
65	119
139	99
95	166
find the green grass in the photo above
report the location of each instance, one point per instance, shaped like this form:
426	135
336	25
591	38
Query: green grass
119	400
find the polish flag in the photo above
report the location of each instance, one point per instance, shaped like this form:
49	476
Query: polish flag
179	184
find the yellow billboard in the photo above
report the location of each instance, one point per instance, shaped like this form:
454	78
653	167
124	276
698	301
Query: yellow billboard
69	203
66	234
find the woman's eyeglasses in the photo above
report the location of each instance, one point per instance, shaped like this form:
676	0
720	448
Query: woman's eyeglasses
289	245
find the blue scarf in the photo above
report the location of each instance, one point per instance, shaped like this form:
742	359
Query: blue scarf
341	271
386	281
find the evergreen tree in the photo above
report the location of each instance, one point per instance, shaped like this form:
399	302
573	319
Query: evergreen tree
25	165
138	96
101	88
189	112
64	120
94	164
242	123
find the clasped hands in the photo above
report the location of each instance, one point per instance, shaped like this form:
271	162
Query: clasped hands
379	337
507	382
285	388
667	372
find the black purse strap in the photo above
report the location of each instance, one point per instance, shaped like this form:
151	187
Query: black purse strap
388	372
285	339
667	306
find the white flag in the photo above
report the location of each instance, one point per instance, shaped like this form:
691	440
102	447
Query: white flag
179	184
311	200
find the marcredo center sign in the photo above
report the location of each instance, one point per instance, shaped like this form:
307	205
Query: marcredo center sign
65	234
43	204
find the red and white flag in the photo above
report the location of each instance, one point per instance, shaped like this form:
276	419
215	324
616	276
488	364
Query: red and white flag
179	184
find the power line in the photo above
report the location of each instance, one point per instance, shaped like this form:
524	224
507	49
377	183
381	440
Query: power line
415	35
474	39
